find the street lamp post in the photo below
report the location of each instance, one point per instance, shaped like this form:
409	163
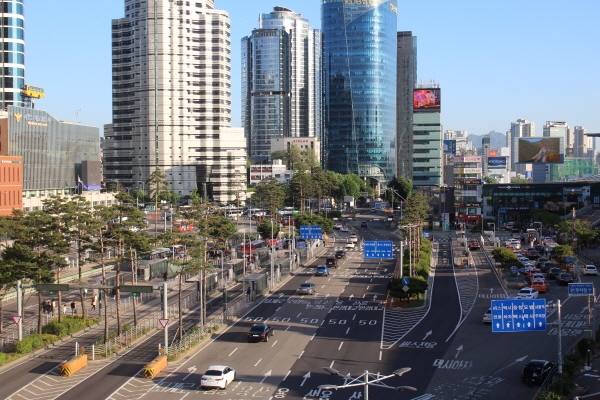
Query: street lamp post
364	380
223	283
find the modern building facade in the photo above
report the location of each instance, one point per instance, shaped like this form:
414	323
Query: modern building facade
171	96
360	58
522	128
405	84
53	152
486	147
11	184
560	129
467	190
12	46
427	136
583	144
281	81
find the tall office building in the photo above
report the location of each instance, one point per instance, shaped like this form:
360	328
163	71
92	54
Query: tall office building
427	135
12	44
405	83
172	99
359	55
518	129
281	81
560	129
583	144
486	147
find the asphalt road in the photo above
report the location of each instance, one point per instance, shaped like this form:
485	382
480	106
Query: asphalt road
451	352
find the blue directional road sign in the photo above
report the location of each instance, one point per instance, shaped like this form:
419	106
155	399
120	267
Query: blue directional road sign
518	315
378	205
570	259
311	232
378	250
581	289
405	281
426	234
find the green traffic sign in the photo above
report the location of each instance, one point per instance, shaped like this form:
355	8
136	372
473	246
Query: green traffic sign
136	289
51	287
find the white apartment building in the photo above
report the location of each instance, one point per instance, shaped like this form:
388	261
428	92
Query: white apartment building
171	63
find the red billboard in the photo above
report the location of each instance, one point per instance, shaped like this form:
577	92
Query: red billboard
426	99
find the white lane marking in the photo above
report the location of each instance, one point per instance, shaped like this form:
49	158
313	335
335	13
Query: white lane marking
234	350
274	343
278	308
331	365
301	354
286	375
298	316
354	317
322	322
289	326
313	336
339	348
258	362
347	330
380	355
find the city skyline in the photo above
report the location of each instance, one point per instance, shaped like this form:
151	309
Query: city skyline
531	70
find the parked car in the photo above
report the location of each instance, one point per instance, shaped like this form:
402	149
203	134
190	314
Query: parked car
564	279
218	376
553	273
589	270
540	285
528	293
307	288
260	333
340	254
332	262
322	270
536	371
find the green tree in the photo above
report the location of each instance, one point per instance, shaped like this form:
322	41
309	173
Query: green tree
158	189
217	227
503	255
490	180
315	220
269	194
559	253
518	180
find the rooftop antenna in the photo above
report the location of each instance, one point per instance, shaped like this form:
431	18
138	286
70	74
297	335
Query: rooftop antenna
77	117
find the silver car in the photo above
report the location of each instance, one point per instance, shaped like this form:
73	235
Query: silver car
307	288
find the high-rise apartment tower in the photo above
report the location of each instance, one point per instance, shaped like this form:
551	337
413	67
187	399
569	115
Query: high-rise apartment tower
12	46
172	99
281	81
359	56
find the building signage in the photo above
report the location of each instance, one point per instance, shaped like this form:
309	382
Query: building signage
497	162
492	153
467	159
470	170
473	204
39	120
470	181
364	2
572	190
469	217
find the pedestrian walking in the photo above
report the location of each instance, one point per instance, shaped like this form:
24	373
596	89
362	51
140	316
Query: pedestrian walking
73	305
85	293
65	309
94	303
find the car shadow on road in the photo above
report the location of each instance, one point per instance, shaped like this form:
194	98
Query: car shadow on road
44	367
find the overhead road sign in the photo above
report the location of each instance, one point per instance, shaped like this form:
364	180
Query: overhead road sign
520	315
378	250
570	259
51	287
135	290
311	232
581	289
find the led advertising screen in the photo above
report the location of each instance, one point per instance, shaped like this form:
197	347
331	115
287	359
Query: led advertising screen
450	146
497	162
539	150
426	99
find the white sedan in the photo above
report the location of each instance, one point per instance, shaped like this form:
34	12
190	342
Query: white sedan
353	239
528	293
217	376
350	245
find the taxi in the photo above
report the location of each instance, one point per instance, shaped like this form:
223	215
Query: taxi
539	285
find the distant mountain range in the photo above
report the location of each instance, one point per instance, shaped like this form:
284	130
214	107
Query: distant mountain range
498	139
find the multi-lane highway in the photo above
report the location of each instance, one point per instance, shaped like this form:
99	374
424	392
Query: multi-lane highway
451	352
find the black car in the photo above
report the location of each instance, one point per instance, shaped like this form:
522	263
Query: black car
553	273
364	224
474	245
536	371
260	333
564	279
331	262
340	254
533	254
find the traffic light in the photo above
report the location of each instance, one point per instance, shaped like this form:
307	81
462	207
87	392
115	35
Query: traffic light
135	294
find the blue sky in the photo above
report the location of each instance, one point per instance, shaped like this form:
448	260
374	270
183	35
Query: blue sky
496	61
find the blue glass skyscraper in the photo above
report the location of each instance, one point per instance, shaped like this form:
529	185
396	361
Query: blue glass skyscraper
359	56
12	60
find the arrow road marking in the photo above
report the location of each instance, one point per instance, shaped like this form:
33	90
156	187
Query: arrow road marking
306	376
191	370
460	348
266	375
491	290
427	334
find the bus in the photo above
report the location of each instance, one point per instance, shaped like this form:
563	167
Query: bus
183	225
